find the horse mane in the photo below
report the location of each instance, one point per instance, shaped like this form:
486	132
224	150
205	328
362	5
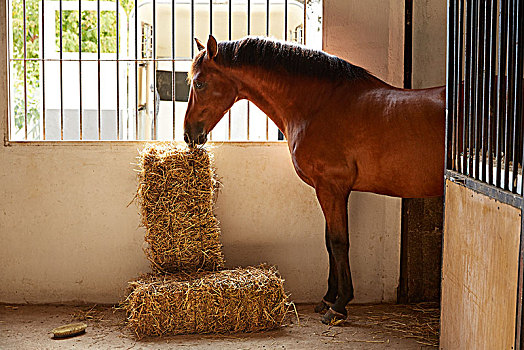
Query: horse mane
293	58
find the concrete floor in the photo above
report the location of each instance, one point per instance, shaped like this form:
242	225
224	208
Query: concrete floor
368	327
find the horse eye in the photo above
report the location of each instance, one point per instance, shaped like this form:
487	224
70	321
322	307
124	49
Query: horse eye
199	85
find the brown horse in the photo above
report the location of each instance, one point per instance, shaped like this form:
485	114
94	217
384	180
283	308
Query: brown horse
346	130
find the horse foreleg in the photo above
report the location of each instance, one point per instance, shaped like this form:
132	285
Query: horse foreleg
331	294
334	207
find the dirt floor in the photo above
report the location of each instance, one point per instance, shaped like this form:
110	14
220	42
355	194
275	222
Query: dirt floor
368	327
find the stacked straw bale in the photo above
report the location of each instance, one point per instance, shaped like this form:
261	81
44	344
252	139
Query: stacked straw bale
242	300
188	291
175	194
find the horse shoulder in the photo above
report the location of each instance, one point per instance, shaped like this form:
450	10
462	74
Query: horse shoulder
317	159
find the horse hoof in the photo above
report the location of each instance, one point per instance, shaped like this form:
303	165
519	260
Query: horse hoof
333	318
322	307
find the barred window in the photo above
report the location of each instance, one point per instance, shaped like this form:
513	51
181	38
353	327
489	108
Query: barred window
116	70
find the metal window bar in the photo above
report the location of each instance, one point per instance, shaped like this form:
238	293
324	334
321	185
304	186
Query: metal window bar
137	137
210	33
155	136
98	51
100	122
267	34
230	30
193	25
117	69
248	33
485	40
61	78
173	87
285	19
80	66
42	41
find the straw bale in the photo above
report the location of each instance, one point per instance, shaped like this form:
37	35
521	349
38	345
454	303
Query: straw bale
175	193
241	300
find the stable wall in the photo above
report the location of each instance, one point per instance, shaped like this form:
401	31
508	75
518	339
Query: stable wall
68	233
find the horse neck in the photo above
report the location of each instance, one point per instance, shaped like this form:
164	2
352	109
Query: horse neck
284	98
290	101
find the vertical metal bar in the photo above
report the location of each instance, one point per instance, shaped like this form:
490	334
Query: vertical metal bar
509	88
450	73
285	19
25	69
467	88
457	39
173	82
267	17
248	33
211	33
490	63
193	26
136	69
473	91
304	26
80	65
480	150
61	78
154	136
501	88
451	84
42	43
229	19
464	51
517	92
117	2
459	141
229	38
408	43
267	34
98	24
248	17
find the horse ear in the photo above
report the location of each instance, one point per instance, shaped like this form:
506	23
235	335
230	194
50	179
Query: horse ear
200	46
212	47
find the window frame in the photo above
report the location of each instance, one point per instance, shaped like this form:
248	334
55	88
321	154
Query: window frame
5	88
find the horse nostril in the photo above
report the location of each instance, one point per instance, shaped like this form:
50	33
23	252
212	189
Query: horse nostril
202	138
186	137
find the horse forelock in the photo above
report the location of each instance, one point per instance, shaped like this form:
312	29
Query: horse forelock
293	58
197	61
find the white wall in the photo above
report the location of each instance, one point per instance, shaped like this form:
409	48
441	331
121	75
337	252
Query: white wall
68	234
429	43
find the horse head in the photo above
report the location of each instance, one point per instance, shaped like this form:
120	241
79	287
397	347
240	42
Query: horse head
212	93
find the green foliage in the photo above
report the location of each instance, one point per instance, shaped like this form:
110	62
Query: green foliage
70	34
69	42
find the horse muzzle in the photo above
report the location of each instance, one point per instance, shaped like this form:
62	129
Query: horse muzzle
193	139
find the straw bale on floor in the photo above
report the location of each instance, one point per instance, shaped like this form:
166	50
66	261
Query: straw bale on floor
241	300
